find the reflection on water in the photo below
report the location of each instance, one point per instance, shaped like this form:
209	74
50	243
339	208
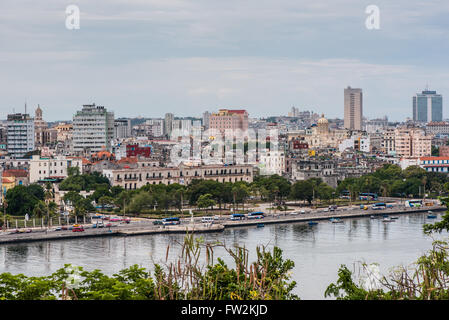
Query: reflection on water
318	251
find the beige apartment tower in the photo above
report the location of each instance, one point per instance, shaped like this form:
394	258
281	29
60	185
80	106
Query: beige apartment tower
353	108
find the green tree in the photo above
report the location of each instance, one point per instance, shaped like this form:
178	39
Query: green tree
22	200
205	201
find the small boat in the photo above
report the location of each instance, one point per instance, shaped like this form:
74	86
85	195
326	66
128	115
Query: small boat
394	218
374	217
336	220
312	223
260	225
431	216
387	219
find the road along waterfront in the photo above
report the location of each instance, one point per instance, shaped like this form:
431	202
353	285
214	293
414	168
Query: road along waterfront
146	227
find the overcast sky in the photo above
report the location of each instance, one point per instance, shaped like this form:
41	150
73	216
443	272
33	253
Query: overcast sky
149	57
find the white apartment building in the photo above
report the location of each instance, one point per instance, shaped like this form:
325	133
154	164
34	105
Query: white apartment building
20	134
272	162
438	127
156	127
93	129
122	128
52	168
357	143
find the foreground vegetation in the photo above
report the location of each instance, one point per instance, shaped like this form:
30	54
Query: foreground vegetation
266	278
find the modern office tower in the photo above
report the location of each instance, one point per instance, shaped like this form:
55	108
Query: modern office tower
168	123
93	129
122	128
229	119
20	134
353	108
427	106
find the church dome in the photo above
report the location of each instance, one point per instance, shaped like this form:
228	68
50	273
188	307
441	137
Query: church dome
323	120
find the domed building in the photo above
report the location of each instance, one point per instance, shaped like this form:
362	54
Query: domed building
323	125
322	137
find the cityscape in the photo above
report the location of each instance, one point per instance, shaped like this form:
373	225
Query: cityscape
154	151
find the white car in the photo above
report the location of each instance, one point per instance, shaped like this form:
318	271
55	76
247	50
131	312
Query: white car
294	213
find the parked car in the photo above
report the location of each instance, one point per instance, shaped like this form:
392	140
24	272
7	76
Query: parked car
127	220
77	228
98	225
157	222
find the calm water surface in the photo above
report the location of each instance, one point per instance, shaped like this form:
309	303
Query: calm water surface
317	251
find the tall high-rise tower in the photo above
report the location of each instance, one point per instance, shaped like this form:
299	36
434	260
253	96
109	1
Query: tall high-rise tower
428	106
353	108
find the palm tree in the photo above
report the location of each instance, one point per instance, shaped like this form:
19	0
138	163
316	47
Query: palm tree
40	209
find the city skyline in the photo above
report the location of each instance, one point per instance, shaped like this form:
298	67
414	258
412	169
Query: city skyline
188	57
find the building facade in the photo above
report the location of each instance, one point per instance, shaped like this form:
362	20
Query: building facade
412	142
93	129
122	128
20	134
226	119
135	178
42	168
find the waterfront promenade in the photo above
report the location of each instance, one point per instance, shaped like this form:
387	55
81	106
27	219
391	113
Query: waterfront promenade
146	226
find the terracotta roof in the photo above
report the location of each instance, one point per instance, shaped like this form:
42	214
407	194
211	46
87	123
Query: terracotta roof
101	154
128	160
237	111
15	173
7	180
